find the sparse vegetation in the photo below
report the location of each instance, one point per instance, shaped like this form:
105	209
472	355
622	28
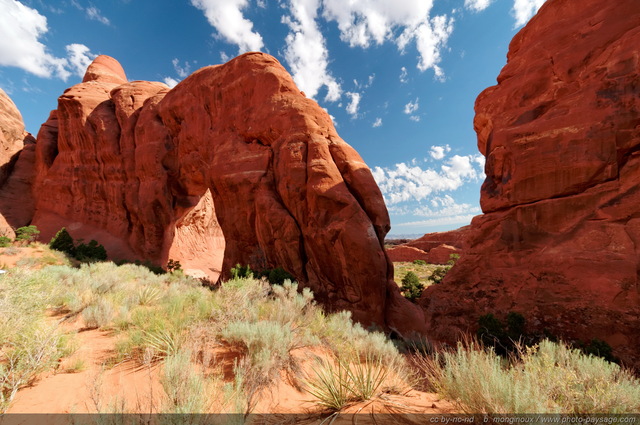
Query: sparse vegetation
419	262
27	234
5	241
86	253
173	266
546	378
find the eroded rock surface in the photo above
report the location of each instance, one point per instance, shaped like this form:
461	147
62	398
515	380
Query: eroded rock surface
559	241
16	168
232	166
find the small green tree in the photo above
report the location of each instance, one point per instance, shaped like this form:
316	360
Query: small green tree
4	241
63	242
27	234
411	286
91	252
419	262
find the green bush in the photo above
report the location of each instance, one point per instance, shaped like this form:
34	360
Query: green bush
241	272
63	242
27	233
91	252
278	275
5	241
411	286
492	332
438	274
420	262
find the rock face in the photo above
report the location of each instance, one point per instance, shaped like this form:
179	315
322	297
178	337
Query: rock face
560	238
17	148
442	254
406	253
233	165
454	238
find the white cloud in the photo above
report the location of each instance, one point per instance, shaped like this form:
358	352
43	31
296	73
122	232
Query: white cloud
441	221
523	10
412	183
403	75
377	123
306	51
439	152
182	71
21	29
363	22
411	107
477	5
171	82
414	118
227	18
224	56
352	107
79	58
94	14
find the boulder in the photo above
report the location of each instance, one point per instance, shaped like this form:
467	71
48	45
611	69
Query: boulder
560	238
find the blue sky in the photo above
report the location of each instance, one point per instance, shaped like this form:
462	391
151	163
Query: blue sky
399	77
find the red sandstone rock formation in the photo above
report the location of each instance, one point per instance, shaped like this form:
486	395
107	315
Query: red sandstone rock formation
16	168
429	241
406	253
442	254
234	159
560	238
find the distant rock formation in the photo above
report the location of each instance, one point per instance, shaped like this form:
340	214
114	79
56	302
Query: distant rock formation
232	166
17	155
405	253
434	248
560	238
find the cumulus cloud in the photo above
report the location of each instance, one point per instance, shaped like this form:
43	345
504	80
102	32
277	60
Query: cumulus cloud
79	58
306	51
523	10
352	107
477	5
413	183
227	18
365	22
439	152
21	29
171	82
411	107
94	14
377	123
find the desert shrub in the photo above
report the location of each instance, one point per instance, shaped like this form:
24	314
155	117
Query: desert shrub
453	258
438	274
503	338
63	242
99	314
419	262
266	343
27	234
598	348
173	266
241	272
546	378
5	241
185	387
411	286
90	252
337	383
278	276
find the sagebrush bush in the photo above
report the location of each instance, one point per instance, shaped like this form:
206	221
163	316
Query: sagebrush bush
548	378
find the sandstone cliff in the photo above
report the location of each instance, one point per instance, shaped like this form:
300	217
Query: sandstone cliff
560	238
